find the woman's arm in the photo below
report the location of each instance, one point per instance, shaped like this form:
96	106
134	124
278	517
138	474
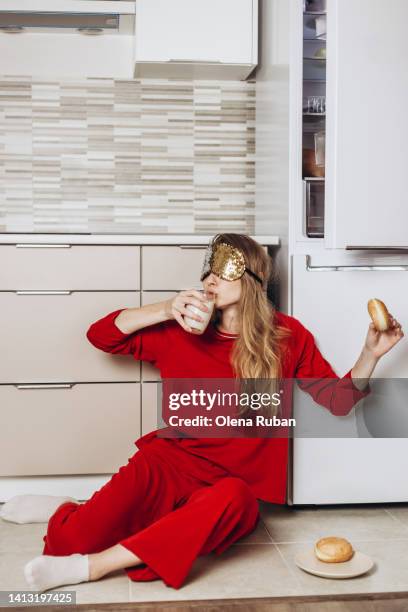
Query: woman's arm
375	346
318	378
140	331
144	343
132	319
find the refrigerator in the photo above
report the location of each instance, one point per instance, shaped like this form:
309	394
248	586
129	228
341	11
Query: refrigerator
348	236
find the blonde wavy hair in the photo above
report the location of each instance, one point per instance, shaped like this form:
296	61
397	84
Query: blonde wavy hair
256	356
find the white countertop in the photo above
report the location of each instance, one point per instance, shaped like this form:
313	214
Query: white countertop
142	239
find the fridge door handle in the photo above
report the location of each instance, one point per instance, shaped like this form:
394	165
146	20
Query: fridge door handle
358	268
386	249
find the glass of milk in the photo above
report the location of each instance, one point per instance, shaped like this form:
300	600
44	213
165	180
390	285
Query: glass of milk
199	327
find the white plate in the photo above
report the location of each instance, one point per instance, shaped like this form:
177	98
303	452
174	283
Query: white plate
357	565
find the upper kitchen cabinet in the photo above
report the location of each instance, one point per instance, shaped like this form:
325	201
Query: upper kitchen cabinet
67	38
367	124
197	38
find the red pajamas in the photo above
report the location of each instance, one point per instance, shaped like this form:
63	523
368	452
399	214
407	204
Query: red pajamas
177	499
162	512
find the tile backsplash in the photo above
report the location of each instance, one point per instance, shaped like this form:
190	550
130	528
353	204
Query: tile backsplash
137	156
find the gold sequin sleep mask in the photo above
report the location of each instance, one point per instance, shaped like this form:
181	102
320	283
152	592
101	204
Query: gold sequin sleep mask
227	262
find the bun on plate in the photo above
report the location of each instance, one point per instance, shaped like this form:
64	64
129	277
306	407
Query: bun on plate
379	314
333	550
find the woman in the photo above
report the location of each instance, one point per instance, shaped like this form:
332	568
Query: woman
180	498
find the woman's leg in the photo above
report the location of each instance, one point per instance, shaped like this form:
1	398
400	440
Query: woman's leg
140	492
113	558
212	518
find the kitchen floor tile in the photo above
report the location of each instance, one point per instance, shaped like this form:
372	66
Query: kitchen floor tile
400	513
259	536
15	537
255	570
253	567
113	588
390	571
11	569
288	524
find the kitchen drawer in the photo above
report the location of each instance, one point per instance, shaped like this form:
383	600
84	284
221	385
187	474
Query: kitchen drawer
85	429
44	338
150	405
75	267
149	372
172	267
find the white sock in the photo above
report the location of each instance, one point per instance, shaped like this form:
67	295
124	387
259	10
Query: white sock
32	508
46	571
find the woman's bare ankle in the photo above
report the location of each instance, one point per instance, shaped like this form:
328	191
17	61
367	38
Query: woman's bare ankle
111	559
95	567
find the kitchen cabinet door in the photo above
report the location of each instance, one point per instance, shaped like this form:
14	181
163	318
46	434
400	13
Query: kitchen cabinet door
168	268
71	429
45	337
332	304
151	407
367	124
79	267
195	30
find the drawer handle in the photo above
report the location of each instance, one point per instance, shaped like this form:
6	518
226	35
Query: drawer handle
43	246
43	292
46	386
192	246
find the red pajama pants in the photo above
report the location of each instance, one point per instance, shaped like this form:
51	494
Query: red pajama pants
167	510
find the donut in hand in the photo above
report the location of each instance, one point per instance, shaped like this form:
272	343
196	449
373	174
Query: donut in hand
379	314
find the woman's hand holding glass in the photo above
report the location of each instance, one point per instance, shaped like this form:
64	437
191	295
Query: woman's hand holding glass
176	307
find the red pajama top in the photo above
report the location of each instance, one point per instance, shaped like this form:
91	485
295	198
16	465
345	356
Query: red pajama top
260	462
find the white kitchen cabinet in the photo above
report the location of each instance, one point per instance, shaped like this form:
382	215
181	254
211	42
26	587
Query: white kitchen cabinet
60	55
367	123
56	39
75	267
61	399
68	429
166	268
45	337
151	406
196	31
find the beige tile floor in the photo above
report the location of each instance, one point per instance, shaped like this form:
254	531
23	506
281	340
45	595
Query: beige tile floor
260	565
